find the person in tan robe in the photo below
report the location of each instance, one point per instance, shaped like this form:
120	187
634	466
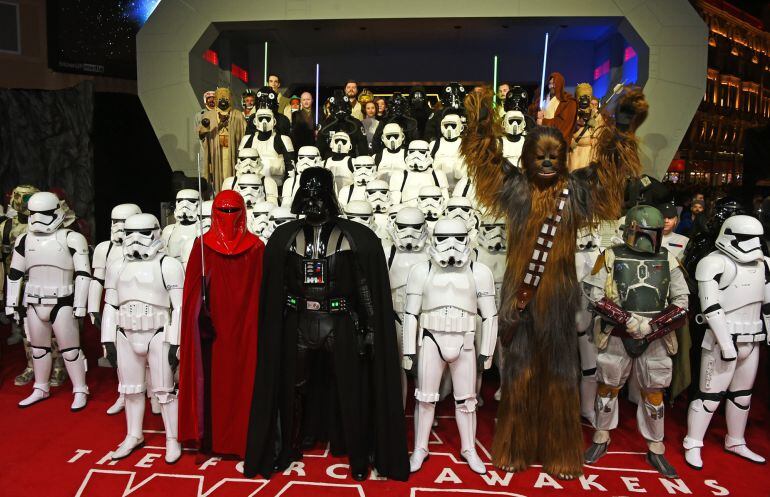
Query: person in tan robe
220	132
589	122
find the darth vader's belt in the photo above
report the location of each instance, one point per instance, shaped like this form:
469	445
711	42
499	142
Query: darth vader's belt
332	305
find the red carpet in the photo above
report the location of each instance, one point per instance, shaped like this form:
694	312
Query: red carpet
49	451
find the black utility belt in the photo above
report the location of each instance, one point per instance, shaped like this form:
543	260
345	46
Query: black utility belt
332	305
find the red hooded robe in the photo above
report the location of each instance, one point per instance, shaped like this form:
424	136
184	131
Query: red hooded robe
216	377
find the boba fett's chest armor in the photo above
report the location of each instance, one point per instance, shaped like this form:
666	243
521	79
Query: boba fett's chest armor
642	280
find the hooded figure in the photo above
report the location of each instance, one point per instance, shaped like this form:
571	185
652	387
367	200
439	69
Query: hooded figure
561	110
219	339
328	366
220	132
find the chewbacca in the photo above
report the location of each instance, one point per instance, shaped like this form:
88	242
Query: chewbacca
538	419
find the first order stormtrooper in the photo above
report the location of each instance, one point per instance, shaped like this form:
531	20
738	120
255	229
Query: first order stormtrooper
275	150
106	253
462	209
443	297
640	292
276	217
409	234
514	124
50	266
140	328
734	293
392	157
254	189
364	171
405	185
432	202
587	252
259	217
340	162
446	149
175	236
308	156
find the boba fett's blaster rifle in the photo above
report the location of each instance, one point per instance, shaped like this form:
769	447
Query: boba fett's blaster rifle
669	319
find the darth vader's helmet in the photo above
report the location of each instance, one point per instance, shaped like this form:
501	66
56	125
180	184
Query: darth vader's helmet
315	197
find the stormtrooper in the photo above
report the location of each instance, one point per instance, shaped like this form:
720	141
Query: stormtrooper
443	298
514	124
140	328
734	293
340	162
50	266
491	251
175	236
275	150
465	188
259	218
405	185
409	234
640	292
378	195
392	157
446	149
308	156
248	163
432	203
364	171
276	217
588	242
399	113
254	189
204	221
462	209
360	211
106	253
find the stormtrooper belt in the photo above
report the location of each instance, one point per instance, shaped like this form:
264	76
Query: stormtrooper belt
332	305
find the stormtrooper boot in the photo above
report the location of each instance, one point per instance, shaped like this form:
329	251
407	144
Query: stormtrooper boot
118	406
466	426
169	412
41	364
698	419
134	416
423	423
736	416
75	362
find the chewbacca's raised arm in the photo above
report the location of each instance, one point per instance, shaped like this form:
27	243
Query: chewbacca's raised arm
617	154
481	149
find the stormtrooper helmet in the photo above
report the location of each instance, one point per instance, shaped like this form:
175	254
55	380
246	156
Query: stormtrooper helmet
248	162
251	189
205	215
392	136
264	120
492	235
588	238
186	207
514	123
45	213
378	195
360	211
408	230
308	156
431	202
451	126
340	143
418	156
364	170
259	217
118	217
393	211
461	208
740	238
277	217
450	244
142	237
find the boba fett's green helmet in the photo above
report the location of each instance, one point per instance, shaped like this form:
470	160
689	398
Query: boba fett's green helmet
643	231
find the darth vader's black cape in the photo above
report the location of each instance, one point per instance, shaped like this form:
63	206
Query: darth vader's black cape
272	400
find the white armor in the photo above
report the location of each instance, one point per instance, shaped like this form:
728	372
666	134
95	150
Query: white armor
364	171
443	298
515	126
462	209
276	217
248	162
340	163
308	156
446	149
431	202
734	290
466	188
405	185
142	321
259	218
175	236
264	141
54	263
378	195
392	157
254	188
585	257
204	223
360	211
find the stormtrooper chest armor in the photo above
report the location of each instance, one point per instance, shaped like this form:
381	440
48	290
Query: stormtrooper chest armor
177	239
742	289
413	181
447	157
115	254
391	162
449	300
143	301
512	149
272	163
402	264
352	192
50	268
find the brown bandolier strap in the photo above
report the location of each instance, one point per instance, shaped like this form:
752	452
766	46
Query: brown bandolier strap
543	246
